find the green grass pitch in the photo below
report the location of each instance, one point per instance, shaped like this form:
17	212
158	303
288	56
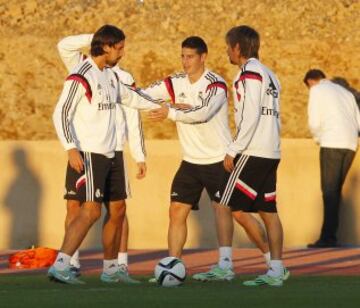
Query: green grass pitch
300	291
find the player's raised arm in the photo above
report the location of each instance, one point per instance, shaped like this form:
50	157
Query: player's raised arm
70	49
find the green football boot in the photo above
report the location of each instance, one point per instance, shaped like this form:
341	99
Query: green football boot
215	274
118	276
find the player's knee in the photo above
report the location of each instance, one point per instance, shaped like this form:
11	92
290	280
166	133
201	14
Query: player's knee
117	211
270	218
177	213
222	210
241	217
91	214
73	207
117	216
95	215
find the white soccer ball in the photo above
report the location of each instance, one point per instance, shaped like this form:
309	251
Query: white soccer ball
170	272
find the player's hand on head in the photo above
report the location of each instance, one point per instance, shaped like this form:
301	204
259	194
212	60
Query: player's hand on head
159	114
75	160
229	163
141	170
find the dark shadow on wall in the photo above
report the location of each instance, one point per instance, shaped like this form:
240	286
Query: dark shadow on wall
22	201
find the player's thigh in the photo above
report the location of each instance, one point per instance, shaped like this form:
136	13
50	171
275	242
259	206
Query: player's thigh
89	185
245	183
266	199
186	187
117	184
178	211
211	175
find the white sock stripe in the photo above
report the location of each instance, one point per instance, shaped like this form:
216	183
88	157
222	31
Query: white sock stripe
231	184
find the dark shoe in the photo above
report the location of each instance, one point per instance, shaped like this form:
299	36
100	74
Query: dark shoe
323	244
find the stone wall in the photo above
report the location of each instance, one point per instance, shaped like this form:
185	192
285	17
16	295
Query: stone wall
296	36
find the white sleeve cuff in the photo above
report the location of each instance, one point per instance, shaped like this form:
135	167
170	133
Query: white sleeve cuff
69	146
172	114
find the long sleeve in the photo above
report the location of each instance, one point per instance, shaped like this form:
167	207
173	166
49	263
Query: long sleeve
161	90
251	112
210	105
135	134
314	115
64	111
136	98
70	49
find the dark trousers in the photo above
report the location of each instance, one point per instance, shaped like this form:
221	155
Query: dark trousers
334	165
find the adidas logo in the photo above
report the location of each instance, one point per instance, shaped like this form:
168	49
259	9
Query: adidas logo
71	192
61	260
174	194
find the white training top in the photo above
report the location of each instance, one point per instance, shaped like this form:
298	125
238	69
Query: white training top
203	130
257	112
129	129
334	118
84	116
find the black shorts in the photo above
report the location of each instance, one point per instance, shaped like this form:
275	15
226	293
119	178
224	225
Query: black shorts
191	179
117	184
251	186
89	185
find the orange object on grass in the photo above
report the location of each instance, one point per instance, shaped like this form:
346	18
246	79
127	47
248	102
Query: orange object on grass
33	258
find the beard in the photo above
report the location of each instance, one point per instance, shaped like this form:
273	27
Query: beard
112	63
232	61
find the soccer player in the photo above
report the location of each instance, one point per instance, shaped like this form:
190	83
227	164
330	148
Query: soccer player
128	127
85	122
204	134
252	158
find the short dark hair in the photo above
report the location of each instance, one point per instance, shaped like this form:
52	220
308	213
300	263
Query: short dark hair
106	35
195	42
247	38
314	74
